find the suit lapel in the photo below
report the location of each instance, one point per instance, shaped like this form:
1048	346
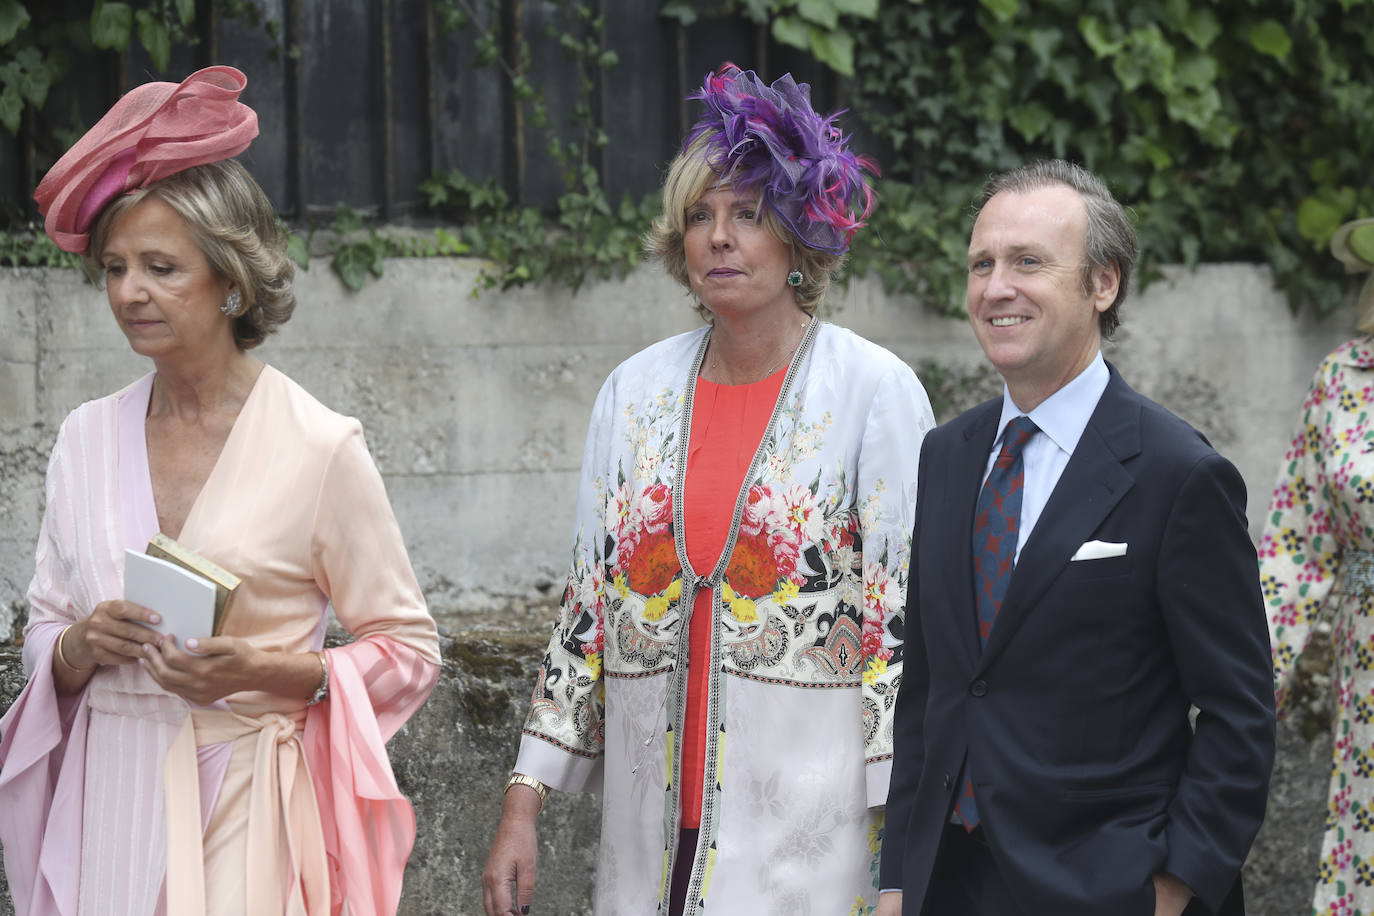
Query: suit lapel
1092	484
963	480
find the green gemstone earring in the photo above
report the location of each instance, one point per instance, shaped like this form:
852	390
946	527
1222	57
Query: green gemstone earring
794	278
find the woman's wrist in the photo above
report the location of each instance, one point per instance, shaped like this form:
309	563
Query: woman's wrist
72	662
523	796
321	692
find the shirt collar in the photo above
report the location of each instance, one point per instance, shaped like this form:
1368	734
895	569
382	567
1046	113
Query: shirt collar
1063	415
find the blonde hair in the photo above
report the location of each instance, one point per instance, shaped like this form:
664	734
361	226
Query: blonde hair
234	226
690	176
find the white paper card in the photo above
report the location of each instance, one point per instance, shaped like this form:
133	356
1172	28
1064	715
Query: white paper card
185	600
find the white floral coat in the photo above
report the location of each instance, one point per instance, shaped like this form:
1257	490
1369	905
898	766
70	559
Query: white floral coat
806	650
1315	562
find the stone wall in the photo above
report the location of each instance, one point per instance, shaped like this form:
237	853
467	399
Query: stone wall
476	407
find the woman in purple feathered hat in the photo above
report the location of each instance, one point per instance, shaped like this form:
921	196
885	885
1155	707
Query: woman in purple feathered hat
730	639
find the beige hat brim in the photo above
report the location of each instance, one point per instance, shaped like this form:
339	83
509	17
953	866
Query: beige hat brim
1358	256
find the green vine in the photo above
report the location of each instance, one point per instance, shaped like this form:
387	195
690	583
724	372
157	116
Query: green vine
588	236
30	249
357	249
37	42
159	23
36	56
1236	130
811	25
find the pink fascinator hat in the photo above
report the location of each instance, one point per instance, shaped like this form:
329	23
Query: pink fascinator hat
155	130
769	139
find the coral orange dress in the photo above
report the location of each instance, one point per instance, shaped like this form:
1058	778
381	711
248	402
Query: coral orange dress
726	428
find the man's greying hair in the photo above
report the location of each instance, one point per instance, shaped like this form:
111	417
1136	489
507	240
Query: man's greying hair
1110	237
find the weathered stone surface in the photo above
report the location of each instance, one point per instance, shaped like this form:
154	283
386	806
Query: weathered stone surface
452	760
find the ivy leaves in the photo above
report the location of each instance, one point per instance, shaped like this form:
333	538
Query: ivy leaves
1235	130
36	55
159	24
13	17
28	73
814	26
588	238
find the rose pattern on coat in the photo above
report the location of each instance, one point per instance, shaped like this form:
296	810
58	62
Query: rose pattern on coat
801	603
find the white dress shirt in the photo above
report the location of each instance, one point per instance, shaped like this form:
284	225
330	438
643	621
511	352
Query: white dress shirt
1061	418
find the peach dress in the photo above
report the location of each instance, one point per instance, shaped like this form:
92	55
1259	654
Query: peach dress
270	807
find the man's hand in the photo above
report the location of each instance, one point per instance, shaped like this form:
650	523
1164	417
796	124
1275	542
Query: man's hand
1171	894
889	904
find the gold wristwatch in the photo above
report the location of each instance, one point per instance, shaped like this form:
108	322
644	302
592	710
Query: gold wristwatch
520	779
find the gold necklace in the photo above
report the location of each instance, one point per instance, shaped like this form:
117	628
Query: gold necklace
715	359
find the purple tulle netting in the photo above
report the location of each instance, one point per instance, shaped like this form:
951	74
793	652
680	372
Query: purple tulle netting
769	138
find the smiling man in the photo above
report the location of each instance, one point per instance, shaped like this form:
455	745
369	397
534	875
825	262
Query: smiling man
1082	576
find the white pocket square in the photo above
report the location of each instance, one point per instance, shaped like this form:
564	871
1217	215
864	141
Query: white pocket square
1097	550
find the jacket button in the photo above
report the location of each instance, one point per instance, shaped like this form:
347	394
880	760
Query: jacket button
979	688
948	782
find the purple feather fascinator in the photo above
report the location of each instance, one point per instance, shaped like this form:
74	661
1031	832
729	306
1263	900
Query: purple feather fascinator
770	139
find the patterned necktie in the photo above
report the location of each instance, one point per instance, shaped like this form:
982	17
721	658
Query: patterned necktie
995	530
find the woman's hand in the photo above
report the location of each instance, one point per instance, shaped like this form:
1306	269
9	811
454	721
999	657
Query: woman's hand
212	669
510	864
110	635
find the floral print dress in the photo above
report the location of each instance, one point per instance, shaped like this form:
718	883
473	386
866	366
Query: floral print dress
805	651
1316	563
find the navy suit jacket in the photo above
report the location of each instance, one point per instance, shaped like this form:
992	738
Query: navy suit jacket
1088	776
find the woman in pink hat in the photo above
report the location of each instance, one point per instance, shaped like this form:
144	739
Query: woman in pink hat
247	772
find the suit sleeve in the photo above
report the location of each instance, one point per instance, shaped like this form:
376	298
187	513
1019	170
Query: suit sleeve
1215	622
898	419
1299	551
908	744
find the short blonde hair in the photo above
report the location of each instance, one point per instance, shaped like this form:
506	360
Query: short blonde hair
234	226
690	176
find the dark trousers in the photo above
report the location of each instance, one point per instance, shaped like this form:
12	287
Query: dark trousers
965	881
682	870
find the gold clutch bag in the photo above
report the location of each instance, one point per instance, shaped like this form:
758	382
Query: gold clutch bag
225	582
